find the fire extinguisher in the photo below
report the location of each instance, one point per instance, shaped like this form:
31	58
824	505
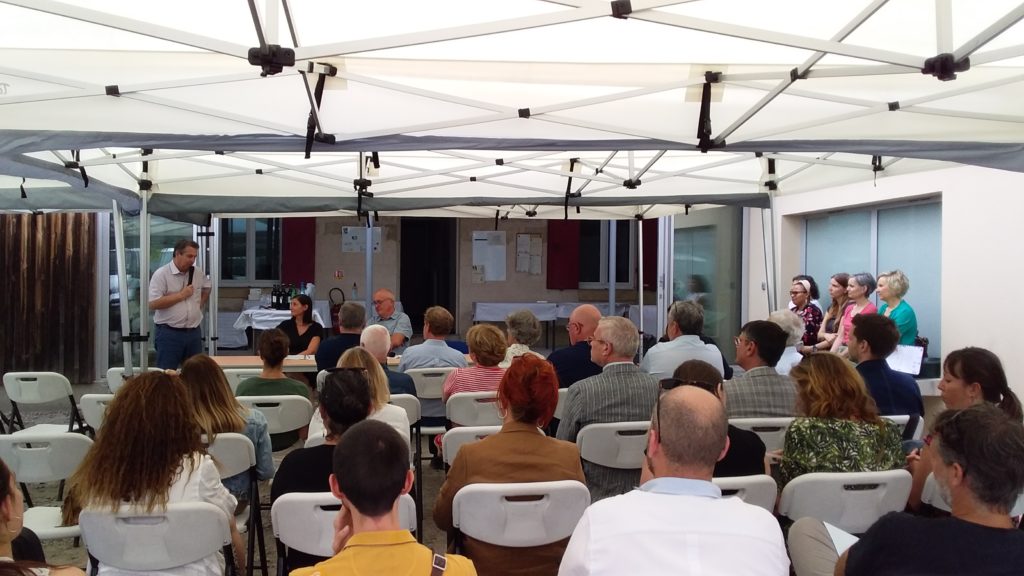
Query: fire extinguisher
336	309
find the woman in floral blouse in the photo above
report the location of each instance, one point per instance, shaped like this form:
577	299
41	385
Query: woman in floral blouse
841	430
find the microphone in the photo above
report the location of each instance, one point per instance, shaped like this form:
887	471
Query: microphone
191	273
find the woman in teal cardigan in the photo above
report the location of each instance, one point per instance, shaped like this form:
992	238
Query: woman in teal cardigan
892	287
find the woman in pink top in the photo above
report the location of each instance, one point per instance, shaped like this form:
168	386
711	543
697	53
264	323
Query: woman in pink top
486	348
858	288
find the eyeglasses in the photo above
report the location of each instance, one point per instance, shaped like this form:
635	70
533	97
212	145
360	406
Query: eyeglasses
740	340
571	324
592	340
379	302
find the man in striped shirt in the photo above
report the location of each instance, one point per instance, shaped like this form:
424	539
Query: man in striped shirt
620	393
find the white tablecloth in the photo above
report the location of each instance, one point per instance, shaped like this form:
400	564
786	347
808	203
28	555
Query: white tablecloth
227	335
498	311
565	308
267	319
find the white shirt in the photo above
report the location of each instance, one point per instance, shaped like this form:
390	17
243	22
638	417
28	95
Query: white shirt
663	358
169	280
390	414
790	357
675	526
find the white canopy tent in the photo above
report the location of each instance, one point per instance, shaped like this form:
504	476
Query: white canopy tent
520	108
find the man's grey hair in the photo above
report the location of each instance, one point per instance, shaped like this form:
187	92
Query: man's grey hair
688	316
791	323
352	316
376	339
621	334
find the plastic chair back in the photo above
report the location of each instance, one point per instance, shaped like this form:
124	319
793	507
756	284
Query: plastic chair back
410	404
235	376
473	409
43	457
94	408
133	539
615	444
36	387
305	521
115	377
458	437
522	514
759	489
233	453
429	382
560	407
772	431
283	413
852	501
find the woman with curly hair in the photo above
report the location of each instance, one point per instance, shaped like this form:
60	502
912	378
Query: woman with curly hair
487	347
840	430
218	411
149	454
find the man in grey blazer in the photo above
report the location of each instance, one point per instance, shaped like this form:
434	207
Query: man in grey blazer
760	392
620	393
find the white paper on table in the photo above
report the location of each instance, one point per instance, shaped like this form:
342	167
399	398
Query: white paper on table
906	359
841	539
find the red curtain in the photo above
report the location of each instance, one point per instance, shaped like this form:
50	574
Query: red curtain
298	250
563	254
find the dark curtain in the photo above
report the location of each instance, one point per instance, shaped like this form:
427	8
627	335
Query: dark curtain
48	265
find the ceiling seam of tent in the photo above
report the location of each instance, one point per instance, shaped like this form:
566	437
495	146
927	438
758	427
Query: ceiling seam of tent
962	114
220	114
986	35
290	167
816	160
997	55
123	168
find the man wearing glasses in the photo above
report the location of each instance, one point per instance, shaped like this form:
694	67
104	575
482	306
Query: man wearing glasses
685	324
677	522
620	393
760	392
573	363
397	323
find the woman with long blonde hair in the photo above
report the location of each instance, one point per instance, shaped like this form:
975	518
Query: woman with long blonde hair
217	411
840	430
148	453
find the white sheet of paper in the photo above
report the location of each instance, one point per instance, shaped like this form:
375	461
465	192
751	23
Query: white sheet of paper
841	539
906	359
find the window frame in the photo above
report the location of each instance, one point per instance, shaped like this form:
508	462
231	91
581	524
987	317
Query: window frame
602	284
250	257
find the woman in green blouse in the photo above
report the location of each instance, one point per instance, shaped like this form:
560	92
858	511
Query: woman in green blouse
892	287
841	430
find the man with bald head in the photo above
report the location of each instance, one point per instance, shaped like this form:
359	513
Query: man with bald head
677	522
376	340
398	323
573	363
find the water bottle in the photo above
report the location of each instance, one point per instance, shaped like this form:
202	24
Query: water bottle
355	293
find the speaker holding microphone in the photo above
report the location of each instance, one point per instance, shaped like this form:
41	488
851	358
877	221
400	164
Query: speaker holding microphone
191	274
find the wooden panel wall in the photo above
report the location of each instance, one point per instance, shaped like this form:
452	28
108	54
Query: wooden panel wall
48	275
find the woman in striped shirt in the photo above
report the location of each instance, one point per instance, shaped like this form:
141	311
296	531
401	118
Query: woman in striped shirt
486	349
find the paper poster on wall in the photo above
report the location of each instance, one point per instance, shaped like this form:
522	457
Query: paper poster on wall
353	239
489	252
528	253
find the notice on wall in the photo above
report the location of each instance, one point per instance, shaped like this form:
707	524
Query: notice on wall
489	255
353	239
528	253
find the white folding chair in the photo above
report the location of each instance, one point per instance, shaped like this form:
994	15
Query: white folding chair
284	413
614	444
235	454
473	409
40	388
521	514
932	496
560	407
321	377
429	383
44	457
772	431
458	437
411	405
235	376
116	377
136	540
94	408
304	522
759	489
852	501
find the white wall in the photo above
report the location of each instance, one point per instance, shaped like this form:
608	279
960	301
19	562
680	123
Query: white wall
981	208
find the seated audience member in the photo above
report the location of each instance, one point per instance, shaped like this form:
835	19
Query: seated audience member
487	349
303	333
872	340
978	459
218	411
828	333
969	376
376	340
620	393
273	347
685	324
793	325
573	363
149	454
858	289
361	360
840	430
523	330
892	287
527	398
803	295
371	472
344	401
11	528
677	522
398	323
745	456
352	319
760	392
434	352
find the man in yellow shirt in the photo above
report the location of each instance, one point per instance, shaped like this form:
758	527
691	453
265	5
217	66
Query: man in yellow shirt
371	472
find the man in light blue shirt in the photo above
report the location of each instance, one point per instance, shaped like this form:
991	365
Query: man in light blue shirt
397	323
685	324
433	352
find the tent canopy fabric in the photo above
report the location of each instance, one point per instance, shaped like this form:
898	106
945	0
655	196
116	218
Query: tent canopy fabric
518	108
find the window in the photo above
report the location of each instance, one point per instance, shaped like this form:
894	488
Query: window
906	237
250	250
594	253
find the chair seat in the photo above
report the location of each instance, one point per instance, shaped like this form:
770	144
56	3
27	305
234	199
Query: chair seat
45	521
43	429
425	430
